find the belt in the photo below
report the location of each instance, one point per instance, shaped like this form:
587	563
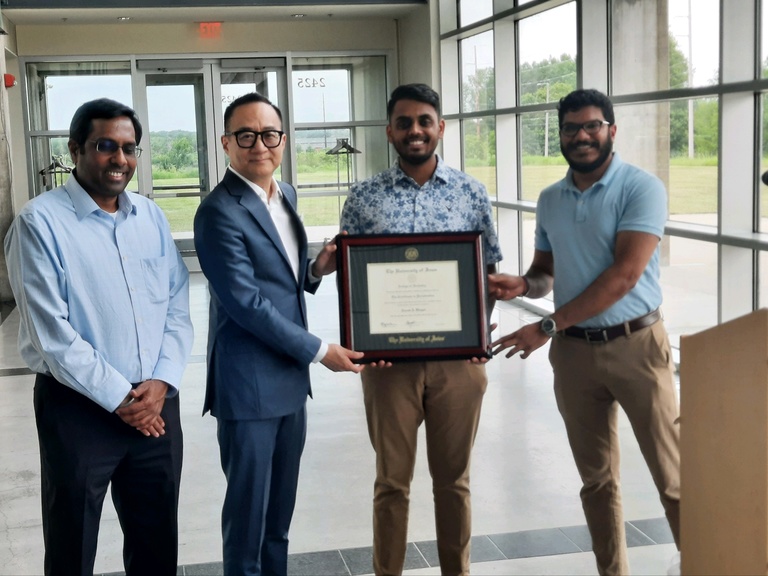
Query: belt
594	335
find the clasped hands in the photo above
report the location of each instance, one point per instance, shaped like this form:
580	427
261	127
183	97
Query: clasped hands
141	408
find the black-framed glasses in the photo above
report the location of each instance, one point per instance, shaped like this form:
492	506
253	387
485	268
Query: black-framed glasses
109	147
248	138
570	129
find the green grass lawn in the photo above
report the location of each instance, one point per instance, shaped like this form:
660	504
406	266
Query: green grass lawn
321	211
179	211
692	190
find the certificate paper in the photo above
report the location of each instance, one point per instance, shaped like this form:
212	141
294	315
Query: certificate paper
407	298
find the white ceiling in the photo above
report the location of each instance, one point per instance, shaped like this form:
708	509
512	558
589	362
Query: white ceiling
29	16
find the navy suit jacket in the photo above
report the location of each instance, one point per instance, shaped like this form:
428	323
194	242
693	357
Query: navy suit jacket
259	349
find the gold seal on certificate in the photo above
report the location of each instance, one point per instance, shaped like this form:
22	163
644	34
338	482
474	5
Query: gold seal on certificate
413	296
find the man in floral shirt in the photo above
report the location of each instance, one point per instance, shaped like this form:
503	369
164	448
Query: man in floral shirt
421	194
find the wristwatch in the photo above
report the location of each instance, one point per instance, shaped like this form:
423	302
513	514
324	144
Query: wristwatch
548	326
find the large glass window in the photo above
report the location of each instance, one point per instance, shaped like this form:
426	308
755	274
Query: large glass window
694	40
340	108
327	166
548	68
470	12
480	150
547	73
656	137
542	162
657	49
477	73
335	123
689	285
687	106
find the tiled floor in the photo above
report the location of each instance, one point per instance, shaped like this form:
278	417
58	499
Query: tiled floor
527	517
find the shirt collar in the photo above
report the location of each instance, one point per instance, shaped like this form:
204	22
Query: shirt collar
441	171
277	192
85	205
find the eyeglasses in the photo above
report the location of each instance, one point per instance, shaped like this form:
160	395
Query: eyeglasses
109	147
570	129
248	138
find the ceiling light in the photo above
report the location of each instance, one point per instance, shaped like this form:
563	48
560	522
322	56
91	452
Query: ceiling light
123	18
297	15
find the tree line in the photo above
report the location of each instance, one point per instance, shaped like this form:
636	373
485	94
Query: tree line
548	80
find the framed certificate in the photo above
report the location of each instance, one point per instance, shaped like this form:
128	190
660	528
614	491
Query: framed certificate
413	296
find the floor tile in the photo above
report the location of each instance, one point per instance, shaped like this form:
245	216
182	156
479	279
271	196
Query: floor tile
579	535
413	558
637	538
206	569
529	543
428	549
657	529
358	560
484	550
328	563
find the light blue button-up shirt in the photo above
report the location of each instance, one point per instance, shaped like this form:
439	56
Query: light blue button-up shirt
103	299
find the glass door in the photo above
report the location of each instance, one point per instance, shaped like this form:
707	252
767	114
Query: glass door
178	146
184	112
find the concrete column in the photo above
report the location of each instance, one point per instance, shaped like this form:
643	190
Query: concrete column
640	63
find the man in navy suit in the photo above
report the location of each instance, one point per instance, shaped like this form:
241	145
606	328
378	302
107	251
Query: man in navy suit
252	248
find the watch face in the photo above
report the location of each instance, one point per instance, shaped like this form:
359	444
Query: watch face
548	326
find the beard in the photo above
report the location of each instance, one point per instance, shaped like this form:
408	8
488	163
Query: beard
605	150
412	158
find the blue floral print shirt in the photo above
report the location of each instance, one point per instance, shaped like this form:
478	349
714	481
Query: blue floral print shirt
391	202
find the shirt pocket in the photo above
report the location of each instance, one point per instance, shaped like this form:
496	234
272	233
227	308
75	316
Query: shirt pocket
156	278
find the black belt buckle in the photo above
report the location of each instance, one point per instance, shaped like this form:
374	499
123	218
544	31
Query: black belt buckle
593	335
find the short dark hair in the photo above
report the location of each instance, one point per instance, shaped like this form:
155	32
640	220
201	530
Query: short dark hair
418	92
579	99
248	99
101	109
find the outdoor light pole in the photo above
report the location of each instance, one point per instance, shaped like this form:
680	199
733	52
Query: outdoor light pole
546	120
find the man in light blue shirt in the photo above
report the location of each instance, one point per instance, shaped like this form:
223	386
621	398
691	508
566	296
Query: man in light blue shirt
103	296
597	246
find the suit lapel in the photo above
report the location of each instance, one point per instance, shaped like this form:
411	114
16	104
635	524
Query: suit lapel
253	204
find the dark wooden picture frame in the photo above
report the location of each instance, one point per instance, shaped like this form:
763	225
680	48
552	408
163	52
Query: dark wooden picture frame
428	293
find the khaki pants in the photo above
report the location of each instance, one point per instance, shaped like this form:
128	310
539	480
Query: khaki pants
636	372
447	397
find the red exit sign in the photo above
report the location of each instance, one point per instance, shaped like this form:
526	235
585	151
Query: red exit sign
210	29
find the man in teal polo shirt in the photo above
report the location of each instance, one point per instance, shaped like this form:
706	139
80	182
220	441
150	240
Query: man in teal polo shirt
599	228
